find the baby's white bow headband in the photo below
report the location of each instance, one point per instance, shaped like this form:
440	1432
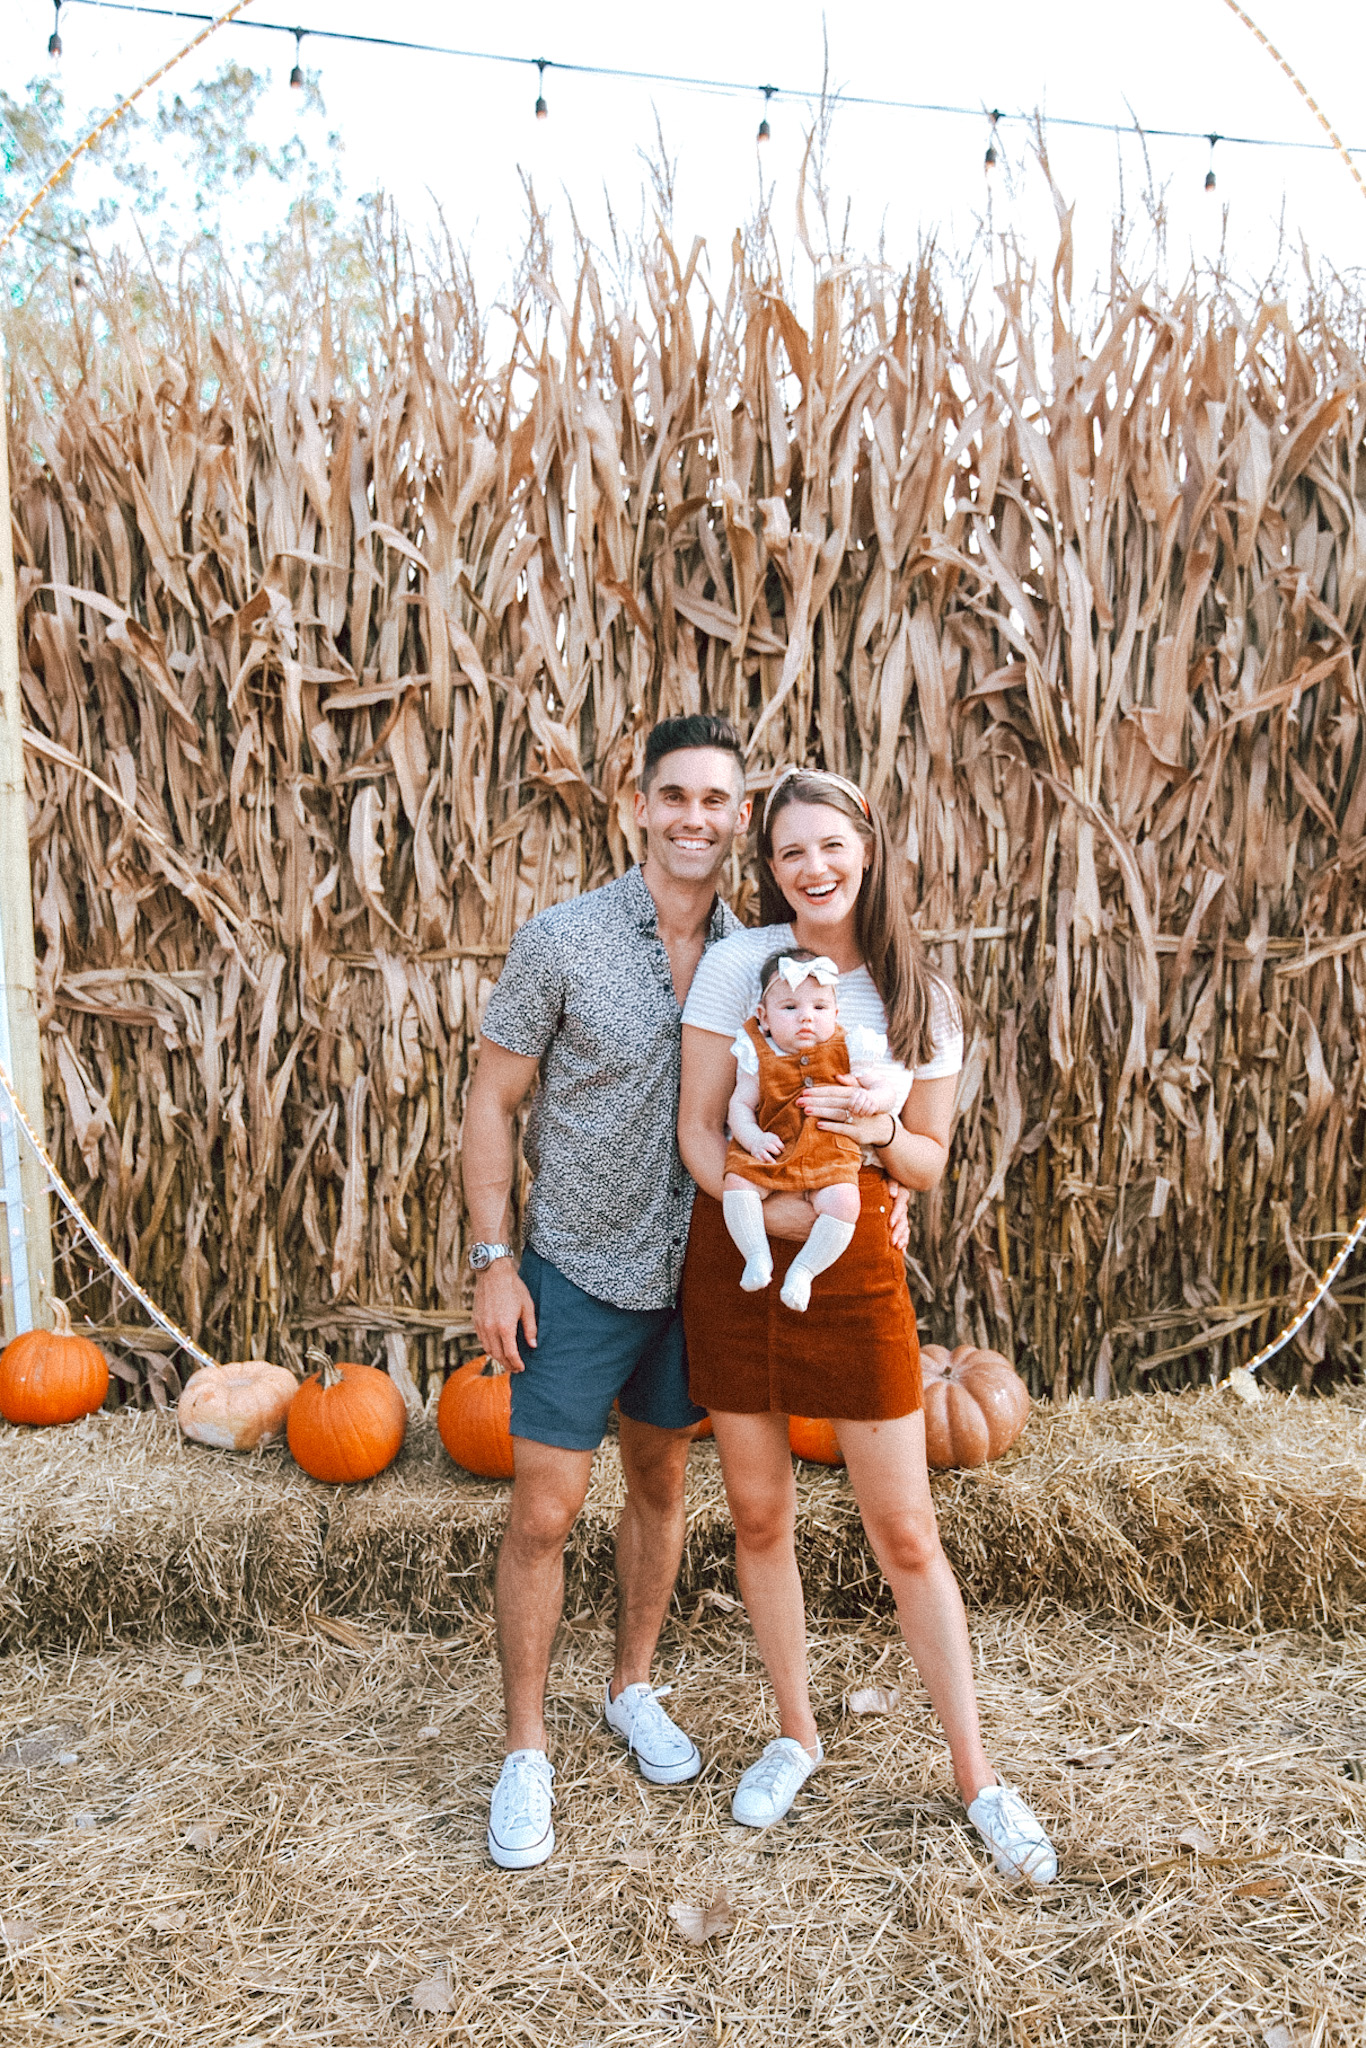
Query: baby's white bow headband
795	972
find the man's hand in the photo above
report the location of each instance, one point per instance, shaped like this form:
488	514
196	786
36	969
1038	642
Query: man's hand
501	1304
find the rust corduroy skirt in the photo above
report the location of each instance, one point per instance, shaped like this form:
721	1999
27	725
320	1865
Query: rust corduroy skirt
853	1355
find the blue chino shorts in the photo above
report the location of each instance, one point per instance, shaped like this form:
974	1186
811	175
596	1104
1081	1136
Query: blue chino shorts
589	1354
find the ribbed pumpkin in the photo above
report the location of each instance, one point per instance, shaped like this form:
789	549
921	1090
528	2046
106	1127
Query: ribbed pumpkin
814	1440
52	1375
473	1417
346	1422
976	1404
236	1407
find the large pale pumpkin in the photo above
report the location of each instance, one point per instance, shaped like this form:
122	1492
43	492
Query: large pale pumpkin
473	1418
976	1404
52	1375
236	1407
346	1422
814	1439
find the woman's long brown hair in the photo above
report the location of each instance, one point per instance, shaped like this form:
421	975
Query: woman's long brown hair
887	939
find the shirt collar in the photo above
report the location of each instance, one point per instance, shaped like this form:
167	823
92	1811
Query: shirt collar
640	905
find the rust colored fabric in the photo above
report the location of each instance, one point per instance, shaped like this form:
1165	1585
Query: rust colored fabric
853	1355
811	1157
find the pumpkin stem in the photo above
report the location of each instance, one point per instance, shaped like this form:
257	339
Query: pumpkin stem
61	1318
328	1373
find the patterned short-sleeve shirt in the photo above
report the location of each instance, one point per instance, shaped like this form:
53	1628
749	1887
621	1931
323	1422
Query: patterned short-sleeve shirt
587	990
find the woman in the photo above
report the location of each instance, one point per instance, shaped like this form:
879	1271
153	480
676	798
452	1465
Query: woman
827	883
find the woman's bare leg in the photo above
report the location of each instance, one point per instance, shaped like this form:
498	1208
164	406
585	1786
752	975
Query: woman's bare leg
887	1470
756	1463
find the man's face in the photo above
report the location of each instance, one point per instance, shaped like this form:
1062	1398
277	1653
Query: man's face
692	810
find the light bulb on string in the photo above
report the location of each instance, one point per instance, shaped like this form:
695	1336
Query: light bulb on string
1210	179
296	76
542	110
764	130
990	159
54	41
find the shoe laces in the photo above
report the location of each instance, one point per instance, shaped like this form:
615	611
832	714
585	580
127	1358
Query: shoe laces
776	1763
649	1718
522	1780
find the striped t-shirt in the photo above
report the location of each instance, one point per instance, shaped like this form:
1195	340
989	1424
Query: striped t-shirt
725	991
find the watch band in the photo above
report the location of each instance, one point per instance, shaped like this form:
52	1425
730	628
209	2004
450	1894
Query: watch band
482	1256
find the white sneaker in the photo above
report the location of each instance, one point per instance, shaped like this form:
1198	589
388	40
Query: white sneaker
665	1754
1018	1844
769	1787
521	1832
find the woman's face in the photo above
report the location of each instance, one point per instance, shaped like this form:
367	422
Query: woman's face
818	862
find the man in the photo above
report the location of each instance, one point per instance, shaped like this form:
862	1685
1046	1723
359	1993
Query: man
589	1003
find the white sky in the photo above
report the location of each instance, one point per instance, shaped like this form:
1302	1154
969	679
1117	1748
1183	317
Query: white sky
430	128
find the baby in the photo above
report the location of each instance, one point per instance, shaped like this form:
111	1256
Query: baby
794	1042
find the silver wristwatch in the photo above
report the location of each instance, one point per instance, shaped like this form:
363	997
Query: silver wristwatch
482	1256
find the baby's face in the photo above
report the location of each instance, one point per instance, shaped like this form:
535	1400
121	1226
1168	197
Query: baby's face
795	1018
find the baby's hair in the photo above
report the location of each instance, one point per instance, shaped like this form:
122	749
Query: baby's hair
768	972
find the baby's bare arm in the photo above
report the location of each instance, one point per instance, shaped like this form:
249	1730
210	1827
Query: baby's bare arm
744	1127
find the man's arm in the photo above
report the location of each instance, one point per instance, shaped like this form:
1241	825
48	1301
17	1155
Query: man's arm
488	1158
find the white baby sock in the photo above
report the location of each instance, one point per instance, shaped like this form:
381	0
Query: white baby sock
743	1210
829	1237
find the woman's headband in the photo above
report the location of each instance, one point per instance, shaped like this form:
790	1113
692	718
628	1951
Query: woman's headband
850	789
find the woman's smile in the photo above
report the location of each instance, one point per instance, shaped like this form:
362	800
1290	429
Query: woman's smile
818	863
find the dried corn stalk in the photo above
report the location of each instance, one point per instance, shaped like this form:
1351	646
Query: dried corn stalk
332	685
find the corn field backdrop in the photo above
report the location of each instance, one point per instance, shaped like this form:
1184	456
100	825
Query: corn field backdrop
333	681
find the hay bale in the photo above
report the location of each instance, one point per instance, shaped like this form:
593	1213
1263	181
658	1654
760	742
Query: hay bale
1154	1506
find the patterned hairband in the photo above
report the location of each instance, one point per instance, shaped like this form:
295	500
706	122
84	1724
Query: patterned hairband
850	789
795	972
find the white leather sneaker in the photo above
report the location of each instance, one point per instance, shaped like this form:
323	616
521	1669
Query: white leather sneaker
521	1833
665	1754
769	1787
1019	1847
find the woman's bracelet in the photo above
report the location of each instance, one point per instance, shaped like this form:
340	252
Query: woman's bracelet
890	1138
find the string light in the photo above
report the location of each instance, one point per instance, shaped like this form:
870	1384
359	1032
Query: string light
764	130
542	110
720	86
54	41
296	76
989	160
1210	179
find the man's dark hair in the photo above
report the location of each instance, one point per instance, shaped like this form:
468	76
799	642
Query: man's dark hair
700	729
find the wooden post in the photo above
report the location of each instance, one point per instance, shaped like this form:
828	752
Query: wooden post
27	1240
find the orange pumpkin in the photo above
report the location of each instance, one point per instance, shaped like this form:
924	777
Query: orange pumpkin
814	1440
52	1375
976	1404
236	1407
346	1422
473	1417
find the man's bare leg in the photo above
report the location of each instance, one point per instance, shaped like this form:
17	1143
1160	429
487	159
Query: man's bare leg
547	1493
649	1543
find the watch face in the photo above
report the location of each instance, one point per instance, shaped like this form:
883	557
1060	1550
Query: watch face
479	1257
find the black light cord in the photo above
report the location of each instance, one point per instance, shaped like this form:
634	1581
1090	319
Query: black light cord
729	86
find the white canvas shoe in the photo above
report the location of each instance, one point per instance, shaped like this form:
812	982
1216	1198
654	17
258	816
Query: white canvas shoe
1019	1847
521	1832
665	1754
769	1787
